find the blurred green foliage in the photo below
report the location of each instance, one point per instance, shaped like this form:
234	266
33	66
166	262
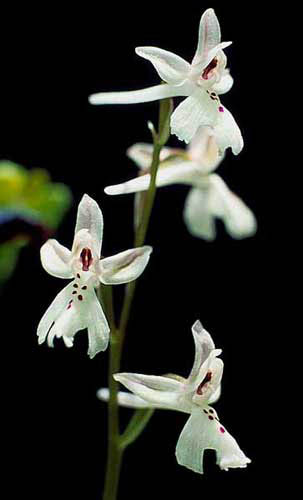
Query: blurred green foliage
29	195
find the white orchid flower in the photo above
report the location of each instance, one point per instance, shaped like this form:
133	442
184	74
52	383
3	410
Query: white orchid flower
209	198
76	307
193	395
200	82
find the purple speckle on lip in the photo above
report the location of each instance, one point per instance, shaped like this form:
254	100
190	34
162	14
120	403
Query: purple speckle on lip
221	109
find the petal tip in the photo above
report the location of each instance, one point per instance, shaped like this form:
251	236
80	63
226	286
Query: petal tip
112	190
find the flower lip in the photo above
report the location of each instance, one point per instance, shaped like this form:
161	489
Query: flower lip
86	258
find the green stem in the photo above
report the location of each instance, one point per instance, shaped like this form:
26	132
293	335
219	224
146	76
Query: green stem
115	452
117	443
140	237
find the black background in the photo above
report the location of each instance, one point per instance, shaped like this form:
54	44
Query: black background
53	59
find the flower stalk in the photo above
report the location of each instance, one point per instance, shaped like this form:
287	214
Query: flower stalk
116	442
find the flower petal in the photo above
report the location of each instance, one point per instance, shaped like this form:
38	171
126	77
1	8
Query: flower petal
160	392
170	67
142	154
225	83
203	346
53	312
209	35
208	380
181	172
70	313
197	214
239	220
149	94
227	132
125	266
97	326
202	431
126	399
196	110
90	217
203	149
55	259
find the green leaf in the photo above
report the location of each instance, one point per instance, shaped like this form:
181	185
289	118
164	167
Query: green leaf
136	426
166	108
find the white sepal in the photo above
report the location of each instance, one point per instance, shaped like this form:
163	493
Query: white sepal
160	392
138	96
204	345
180	172
142	153
89	216
125	399
170	67
55	259
125	266
209	36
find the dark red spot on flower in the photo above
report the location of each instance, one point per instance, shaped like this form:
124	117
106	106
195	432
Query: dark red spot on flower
84	287
210	417
74	292
221	109
87	259
70	304
80	297
209	68
206	379
205	411
75	285
222	430
78	275
211	410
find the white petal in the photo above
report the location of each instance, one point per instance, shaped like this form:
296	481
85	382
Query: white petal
209	35
215	396
208	380
225	83
170	67
203	149
136	96
198	109
55	259
201	433
216	52
70	313
54	311
227	132
239	220
203	346
66	325
198	216
97	326
181	172
90	217
125	266
142	154
160	392
126	399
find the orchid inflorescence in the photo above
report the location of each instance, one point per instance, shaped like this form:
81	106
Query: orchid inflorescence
208	127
